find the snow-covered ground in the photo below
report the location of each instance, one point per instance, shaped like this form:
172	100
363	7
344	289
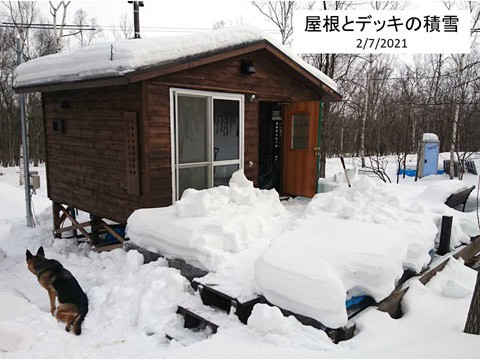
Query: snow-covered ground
347	242
132	306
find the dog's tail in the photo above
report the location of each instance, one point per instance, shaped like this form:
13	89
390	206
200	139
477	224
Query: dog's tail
77	324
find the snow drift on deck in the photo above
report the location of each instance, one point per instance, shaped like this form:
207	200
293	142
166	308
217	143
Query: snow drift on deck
205	227
122	57
353	241
348	242
356	241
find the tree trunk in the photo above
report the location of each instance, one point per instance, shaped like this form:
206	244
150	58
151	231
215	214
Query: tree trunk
455	119
454	139
362	130
473	319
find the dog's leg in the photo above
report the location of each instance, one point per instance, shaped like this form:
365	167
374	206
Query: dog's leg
67	313
52	294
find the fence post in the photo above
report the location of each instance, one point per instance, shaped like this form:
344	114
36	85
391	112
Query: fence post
445	233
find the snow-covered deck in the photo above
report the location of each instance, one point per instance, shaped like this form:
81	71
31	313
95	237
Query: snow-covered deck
307	257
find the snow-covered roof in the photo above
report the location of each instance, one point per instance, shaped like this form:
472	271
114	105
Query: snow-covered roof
122	57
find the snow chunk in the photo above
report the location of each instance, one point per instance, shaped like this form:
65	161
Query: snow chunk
196	203
453	288
282	331
123	57
267	319
455	280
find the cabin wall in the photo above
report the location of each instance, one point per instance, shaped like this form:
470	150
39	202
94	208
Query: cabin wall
87	163
271	82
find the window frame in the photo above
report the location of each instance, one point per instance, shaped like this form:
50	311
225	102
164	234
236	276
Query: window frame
211	164
308	130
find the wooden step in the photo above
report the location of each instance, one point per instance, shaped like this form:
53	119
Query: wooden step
195	321
213	296
186	336
199	318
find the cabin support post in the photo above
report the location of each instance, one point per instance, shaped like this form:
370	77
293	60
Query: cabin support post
445	233
74	231
95	223
56	220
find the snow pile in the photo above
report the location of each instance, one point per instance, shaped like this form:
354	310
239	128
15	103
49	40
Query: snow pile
352	241
278	330
132	306
430	314
123	57
338	179
431	203
206	227
153	292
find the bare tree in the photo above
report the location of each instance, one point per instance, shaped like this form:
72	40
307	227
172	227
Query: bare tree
280	13
125	28
85	36
58	28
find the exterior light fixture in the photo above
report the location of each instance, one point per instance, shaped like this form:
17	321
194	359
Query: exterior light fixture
247	67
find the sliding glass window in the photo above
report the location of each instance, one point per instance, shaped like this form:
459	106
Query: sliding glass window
208	142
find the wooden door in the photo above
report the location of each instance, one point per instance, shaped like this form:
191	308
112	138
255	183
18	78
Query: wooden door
300	141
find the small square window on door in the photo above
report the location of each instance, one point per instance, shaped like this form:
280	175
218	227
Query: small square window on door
300	131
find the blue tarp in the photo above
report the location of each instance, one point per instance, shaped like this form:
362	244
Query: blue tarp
413	172
354	300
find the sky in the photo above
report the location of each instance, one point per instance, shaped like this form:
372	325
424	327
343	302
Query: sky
158	17
170	18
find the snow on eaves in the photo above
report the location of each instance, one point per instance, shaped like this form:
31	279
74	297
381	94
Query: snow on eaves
125	56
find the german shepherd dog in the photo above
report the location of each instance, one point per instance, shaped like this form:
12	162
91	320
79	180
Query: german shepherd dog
60	283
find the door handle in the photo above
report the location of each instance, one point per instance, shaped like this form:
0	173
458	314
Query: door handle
316	150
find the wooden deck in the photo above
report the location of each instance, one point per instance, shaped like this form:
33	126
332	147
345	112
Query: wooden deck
213	301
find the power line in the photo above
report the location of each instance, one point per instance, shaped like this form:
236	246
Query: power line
46	26
156	29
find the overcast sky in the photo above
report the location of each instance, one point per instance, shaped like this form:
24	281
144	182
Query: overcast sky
176	17
159	16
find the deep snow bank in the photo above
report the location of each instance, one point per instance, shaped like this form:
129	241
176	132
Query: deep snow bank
355	240
205	227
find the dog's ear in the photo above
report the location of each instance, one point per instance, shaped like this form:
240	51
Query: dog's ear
29	255
41	252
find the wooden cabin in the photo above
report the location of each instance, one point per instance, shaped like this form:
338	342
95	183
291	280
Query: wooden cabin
125	137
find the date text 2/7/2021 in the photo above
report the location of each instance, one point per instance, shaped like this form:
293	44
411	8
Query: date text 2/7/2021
381	43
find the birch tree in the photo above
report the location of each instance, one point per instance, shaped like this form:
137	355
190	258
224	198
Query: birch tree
280	13
59	13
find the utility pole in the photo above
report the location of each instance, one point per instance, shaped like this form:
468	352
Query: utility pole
136	17
26	157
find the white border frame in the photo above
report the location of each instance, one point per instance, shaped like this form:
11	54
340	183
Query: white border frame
211	95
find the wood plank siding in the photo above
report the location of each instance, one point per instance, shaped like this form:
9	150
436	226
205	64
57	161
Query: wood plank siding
269	82
87	164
